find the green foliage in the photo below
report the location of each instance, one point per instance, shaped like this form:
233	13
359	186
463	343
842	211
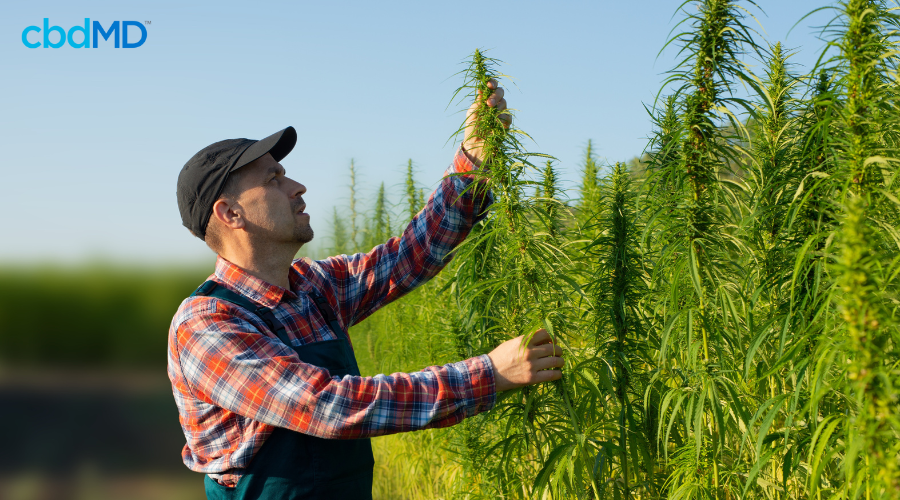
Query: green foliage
588	204
728	311
340	239
90	316
415	199
378	224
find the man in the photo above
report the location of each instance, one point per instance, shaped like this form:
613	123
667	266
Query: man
268	392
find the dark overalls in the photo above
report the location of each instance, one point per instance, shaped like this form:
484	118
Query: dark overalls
291	465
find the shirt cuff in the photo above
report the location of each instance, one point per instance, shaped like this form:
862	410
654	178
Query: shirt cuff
482	393
461	163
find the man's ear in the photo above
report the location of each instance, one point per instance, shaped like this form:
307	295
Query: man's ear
229	213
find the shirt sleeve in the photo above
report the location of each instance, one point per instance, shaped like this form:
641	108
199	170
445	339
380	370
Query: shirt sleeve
228	362
364	282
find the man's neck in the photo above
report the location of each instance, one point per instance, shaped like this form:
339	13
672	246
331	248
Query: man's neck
271	265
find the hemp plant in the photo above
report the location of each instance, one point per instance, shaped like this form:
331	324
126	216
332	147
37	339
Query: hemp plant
354	215
414	198
769	176
811	215
378	226
692	208
340	240
625	350
864	138
548	193
774	173
513	279
589	200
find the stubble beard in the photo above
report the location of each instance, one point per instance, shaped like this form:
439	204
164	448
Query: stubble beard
303	233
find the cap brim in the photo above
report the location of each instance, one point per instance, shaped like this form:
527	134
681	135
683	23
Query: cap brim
278	145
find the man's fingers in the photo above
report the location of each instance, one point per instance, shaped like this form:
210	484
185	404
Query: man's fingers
496	93
504	117
496	98
544	350
548	362
540	337
547	376
493	86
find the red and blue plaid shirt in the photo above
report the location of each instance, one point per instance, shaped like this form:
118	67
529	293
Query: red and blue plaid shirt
234	381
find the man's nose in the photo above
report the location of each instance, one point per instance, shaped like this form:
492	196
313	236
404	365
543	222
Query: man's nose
297	189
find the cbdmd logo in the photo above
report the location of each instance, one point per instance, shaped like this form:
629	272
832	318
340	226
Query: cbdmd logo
118	31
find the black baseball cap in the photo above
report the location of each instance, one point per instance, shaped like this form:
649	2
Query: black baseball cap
203	177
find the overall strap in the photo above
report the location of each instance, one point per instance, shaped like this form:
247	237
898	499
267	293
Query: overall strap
212	289
327	312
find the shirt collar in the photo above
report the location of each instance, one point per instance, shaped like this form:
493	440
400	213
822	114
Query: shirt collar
255	289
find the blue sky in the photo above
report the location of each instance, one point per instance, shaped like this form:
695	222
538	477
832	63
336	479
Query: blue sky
93	139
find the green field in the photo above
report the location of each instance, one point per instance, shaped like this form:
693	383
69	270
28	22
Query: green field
728	302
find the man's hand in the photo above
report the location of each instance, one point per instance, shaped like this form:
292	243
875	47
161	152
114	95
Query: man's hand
515	367
472	144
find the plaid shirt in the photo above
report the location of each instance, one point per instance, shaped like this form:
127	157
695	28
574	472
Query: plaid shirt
234	381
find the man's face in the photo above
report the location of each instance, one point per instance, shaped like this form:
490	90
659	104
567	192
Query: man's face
273	204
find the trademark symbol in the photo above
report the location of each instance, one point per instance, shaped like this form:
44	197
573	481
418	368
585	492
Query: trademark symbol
146	22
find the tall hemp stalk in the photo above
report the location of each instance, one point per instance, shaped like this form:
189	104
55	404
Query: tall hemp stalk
378	225
414	200
767	266
339	237
807	322
512	281
589	202
354	216
811	216
549	191
700	338
629	454
773	156
865	135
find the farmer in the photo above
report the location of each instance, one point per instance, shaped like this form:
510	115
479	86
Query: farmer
268	391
